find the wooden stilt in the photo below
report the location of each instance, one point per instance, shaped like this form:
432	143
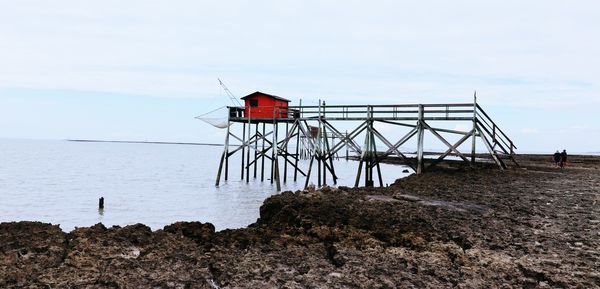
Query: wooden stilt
275	166
297	147
248	153
318	170
379	175
223	156
286	154
262	165
273	152
220	168
474	140
421	131
360	164
308	173
330	157
243	149
346	146
227	151
257	133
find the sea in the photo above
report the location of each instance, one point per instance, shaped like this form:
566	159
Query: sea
60	182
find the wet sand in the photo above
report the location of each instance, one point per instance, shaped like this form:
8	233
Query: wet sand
536	226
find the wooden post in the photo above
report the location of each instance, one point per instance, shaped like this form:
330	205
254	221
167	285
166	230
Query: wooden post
379	174
323	134
346	144
360	164
256	132
227	151
224	156
243	148
248	153
262	165
317	151
297	148
318	169
375	157
285	153
273	147
330	157
308	173
101	203
474	140
367	150
420	140
275	166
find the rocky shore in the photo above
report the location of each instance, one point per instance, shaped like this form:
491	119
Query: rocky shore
531	227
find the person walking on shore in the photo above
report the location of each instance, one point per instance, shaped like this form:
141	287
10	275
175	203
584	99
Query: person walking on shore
556	158
563	158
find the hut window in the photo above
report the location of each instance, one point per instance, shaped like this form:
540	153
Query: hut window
254	102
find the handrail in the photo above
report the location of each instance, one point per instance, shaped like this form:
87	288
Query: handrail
486	120
373	111
488	117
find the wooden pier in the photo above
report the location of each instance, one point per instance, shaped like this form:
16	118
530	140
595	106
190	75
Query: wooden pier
315	132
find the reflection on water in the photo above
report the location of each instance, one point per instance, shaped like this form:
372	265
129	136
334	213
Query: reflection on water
61	182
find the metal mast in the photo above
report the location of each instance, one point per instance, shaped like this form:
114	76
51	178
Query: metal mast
233	99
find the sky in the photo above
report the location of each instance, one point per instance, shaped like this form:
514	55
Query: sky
141	70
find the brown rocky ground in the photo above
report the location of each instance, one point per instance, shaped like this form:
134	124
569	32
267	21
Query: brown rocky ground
531	227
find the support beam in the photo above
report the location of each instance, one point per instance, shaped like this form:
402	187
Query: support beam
243	149
445	142
420	132
474	140
449	150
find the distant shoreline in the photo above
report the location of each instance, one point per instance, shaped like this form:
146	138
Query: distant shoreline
145	142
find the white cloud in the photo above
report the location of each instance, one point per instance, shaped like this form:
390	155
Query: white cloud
386	49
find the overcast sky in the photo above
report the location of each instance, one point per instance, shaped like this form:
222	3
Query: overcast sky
141	70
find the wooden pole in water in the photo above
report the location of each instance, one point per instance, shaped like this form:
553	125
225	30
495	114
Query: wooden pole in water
227	151
275	167
243	148
308	173
273	148
224	155
262	156
248	152
256	132
101	203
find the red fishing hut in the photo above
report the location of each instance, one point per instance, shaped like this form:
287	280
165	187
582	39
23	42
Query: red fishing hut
263	105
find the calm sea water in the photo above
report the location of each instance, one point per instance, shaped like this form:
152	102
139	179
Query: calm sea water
60	182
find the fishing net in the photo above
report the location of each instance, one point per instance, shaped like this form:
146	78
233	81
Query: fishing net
212	117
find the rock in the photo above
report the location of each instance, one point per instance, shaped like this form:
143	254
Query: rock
201	233
406	197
